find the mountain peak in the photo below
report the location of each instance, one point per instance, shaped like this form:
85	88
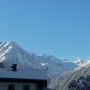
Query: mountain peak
7	44
12	43
11	53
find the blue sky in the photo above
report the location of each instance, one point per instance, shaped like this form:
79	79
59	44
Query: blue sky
54	27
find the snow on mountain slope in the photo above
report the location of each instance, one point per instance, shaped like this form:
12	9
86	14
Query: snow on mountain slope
82	63
11	53
62	82
56	66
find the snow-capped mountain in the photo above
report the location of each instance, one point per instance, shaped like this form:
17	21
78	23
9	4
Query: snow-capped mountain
11	53
63	82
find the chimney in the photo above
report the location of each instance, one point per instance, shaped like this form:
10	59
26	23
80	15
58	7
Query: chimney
14	67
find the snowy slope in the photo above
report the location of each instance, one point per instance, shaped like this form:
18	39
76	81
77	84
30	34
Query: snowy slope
62	82
56	66
11	53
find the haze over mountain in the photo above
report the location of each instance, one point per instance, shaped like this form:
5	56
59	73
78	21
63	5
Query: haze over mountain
11	53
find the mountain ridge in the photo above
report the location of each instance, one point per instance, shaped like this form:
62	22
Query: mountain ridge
11	53
62	82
